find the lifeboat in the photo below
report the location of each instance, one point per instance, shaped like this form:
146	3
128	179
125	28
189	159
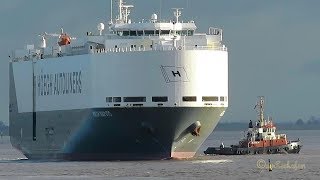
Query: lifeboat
64	40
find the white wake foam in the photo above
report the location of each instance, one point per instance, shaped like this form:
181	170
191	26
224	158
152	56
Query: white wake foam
212	161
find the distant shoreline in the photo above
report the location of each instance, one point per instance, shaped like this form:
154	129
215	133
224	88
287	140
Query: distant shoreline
280	126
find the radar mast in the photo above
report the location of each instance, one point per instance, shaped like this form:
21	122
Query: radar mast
177	13
124	12
260	110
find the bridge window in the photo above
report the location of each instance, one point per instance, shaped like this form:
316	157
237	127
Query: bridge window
184	32
221	98
164	32
149	33
133	33
140	33
190	32
126	33
157	32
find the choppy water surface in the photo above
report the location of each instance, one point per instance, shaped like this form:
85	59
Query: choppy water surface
305	165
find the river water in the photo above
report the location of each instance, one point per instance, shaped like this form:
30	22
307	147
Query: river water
306	165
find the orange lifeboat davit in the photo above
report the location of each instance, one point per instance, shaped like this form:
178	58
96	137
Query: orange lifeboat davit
64	40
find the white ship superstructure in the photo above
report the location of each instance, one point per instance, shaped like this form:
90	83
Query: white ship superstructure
144	90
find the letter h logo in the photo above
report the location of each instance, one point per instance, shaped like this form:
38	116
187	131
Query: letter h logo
176	73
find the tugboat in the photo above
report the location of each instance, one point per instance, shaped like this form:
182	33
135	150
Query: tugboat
260	139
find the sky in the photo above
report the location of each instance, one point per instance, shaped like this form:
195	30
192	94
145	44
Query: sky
273	45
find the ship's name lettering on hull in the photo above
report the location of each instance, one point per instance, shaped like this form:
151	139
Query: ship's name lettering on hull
98	114
59	83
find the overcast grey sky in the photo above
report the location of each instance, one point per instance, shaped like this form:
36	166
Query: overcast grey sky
273	45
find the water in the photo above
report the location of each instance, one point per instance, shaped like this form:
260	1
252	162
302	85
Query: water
306	165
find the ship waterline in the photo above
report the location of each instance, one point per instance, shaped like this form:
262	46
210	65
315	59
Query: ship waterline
127	134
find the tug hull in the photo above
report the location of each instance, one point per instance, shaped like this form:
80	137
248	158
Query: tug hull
293	147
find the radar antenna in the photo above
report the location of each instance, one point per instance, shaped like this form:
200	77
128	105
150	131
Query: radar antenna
260	109
111	12
124	11
177	13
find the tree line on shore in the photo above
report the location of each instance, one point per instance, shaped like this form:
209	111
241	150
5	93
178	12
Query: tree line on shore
4	129
313	123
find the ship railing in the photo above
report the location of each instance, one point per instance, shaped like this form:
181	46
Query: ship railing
218	48
158	48
130	49
24	58
122	49
78	50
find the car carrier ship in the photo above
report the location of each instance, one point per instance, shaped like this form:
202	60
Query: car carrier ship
152	89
